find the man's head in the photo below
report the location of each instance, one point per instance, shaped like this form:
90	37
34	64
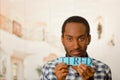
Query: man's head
76	36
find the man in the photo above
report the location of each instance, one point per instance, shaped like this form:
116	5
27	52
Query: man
75	38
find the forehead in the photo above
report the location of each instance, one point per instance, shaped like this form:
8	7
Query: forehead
75	29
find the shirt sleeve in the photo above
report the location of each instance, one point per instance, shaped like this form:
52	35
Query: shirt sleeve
109	74
44	73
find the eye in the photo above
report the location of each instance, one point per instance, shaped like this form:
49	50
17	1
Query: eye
81	39
69	39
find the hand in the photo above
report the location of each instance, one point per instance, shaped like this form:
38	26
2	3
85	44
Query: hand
61	71
85	71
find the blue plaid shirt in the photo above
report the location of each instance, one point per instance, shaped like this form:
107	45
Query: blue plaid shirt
102	71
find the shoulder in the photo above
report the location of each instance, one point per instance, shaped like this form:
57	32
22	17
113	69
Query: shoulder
50	64
100	66
49	67
102	70
48	70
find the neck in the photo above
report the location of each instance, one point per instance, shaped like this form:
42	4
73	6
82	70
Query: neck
86	55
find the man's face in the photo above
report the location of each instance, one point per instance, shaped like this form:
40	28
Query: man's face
75	39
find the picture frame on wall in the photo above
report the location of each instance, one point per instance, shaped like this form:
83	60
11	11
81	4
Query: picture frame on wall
5	23
17	28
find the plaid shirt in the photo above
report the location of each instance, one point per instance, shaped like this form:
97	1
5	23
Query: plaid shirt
102	71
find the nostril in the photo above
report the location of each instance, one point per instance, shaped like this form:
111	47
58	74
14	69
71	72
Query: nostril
76	45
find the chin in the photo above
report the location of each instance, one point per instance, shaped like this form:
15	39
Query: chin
76	56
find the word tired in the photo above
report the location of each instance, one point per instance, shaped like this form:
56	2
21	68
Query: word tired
75	61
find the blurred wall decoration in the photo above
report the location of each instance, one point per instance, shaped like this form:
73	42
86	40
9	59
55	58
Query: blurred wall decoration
100	26
17	28
5	23
111	42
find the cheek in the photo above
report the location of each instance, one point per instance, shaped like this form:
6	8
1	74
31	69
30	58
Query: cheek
68	46
84	47
84	44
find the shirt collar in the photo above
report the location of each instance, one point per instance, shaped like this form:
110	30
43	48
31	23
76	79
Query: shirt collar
86	55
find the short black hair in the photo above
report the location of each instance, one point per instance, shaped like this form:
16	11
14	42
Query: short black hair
76	19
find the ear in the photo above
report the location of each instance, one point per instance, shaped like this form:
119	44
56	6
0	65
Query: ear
88	39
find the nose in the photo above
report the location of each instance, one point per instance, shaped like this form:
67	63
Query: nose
76	44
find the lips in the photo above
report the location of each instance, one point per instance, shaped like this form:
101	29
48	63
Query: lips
75	53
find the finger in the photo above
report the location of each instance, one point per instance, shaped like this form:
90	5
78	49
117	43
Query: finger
86	71
80	70
61	66
83	74
91	69
64	74
86	68
61	74
83	66
75	67
64	71
83	71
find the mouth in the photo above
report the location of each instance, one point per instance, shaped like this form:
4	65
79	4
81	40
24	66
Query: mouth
76	53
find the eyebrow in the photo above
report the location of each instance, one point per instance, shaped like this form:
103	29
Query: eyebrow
68	35
72	36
